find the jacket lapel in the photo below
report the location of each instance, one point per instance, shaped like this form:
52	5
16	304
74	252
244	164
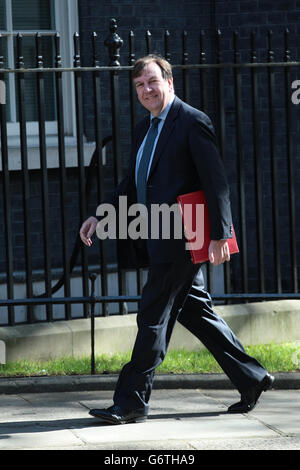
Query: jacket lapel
140	132
165	133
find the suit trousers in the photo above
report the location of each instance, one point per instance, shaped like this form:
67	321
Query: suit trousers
176	291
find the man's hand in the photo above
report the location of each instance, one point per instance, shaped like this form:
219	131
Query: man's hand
218	252
87	229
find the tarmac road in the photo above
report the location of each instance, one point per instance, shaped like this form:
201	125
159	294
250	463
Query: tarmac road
187	419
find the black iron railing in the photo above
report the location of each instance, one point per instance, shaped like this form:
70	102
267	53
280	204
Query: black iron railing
267	267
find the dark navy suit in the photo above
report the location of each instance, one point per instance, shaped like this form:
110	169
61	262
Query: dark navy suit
186	159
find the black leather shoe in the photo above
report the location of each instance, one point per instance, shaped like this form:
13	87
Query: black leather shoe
250	398
115	415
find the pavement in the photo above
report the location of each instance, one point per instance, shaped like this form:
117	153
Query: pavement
187	413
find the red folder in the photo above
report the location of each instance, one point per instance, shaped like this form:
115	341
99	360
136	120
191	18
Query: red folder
194	211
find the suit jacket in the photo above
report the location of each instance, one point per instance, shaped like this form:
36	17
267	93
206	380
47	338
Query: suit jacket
186	159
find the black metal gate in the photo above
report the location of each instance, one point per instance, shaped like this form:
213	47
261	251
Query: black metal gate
251	104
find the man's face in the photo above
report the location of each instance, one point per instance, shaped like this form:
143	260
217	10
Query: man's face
153	91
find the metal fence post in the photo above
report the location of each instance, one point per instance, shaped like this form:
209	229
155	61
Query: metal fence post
6	192
273	163
62	172
114	44
80	156
40	82
25	175
93	277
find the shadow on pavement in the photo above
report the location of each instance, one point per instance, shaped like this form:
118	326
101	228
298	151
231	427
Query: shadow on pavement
16	427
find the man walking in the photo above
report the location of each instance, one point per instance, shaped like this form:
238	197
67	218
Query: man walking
174	153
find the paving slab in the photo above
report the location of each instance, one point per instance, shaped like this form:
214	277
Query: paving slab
277	409
182	419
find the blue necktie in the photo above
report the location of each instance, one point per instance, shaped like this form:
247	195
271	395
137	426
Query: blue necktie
141	183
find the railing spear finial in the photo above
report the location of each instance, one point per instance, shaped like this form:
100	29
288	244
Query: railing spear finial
114	44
